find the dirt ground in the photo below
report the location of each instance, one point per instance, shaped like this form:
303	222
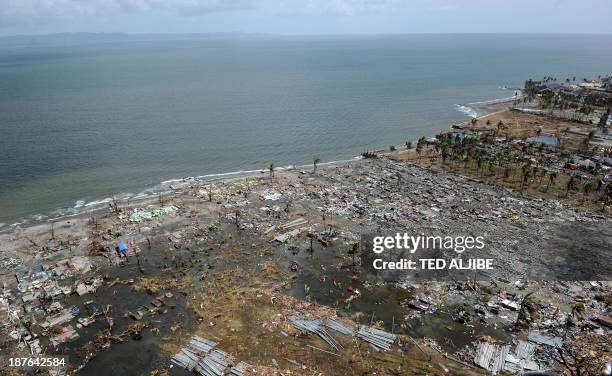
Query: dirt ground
520	125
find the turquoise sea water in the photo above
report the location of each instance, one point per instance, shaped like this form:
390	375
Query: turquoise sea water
83	123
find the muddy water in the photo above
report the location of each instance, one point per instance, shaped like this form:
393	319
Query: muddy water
134	356
139	355
326	278
142	355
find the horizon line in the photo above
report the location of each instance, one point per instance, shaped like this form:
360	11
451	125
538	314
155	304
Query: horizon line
124	33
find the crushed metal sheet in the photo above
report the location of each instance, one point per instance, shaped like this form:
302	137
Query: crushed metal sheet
201	345
339	327
378	338
185	359
238	369
215	363
491	357
314	326
542	339
286	236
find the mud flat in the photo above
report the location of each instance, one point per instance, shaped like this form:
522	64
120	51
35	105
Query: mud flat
236	262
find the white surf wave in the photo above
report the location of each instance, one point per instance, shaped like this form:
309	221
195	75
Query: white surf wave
467	110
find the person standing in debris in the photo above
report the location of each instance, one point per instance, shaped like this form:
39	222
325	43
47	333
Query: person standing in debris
121	250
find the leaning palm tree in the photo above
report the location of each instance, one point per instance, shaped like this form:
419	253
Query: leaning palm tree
315	163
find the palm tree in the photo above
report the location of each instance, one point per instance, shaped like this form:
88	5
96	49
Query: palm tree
586	188
591	135
531	89
542	173
315	163
479	161
353	251
444	153
570	184
552	176
526	175
465	157
606	198
237	218
419	147
507	170
527	308
437	147
491	164
271	169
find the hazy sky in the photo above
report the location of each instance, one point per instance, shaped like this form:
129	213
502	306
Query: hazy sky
305	16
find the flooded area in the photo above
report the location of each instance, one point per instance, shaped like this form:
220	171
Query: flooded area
544	139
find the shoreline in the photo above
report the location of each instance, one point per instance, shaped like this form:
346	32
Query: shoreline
166	187
169	186
483	108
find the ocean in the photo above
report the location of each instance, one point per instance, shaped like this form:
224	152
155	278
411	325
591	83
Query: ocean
82	123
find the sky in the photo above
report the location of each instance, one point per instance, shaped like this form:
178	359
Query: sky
299	17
